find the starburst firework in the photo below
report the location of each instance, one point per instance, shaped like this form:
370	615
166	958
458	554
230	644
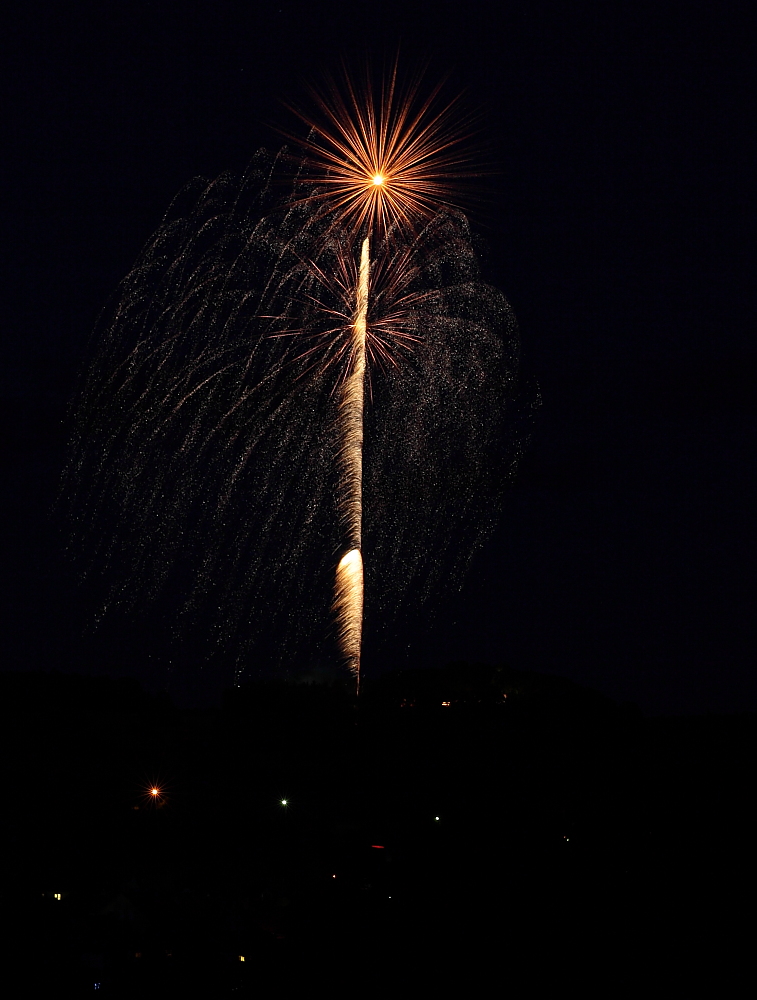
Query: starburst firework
383	159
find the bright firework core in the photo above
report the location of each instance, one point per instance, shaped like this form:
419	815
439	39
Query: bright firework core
378	179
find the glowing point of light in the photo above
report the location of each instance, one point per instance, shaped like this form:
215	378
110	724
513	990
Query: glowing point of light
154	791
57	895
351	562
241	958
283	802
436	818
378	179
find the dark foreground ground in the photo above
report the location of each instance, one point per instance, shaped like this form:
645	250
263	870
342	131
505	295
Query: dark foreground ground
528	833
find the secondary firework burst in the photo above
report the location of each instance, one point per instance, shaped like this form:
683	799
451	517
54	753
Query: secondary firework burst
384	162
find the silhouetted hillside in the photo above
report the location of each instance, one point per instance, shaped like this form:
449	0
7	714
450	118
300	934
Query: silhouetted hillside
292	821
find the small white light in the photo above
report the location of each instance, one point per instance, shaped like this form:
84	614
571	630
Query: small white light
283	802
436	818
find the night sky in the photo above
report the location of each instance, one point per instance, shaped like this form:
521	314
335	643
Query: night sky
619	224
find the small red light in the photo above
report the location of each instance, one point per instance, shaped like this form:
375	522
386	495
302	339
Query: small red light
379	847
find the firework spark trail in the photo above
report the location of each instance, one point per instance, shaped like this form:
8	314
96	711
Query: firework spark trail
348	603
351	412
349	575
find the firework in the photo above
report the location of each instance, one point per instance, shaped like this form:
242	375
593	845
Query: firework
205	476
384	159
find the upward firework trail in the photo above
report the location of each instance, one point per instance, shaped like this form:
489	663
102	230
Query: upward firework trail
384	165
348	597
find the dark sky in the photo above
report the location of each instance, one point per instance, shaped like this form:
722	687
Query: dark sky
620	226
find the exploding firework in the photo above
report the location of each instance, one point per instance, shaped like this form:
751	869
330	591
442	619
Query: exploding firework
384	158
211	448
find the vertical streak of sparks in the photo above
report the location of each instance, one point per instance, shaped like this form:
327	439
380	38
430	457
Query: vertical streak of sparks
348	596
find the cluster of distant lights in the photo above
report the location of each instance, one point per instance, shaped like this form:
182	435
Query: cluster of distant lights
285	802
155	792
